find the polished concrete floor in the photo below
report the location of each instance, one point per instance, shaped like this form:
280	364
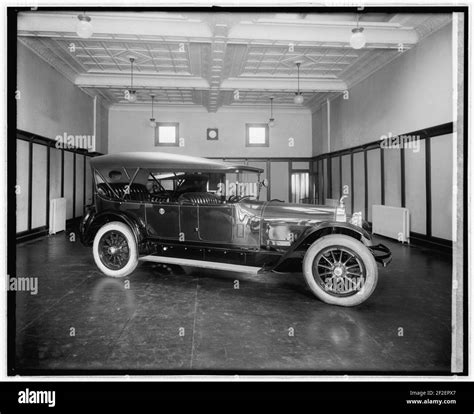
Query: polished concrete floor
169	318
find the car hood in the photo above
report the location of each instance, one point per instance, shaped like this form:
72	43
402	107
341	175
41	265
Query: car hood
274	211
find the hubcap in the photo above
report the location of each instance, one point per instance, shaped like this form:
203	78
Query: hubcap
113	250
339	271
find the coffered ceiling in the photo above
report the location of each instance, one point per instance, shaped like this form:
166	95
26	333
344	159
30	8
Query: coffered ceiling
221	59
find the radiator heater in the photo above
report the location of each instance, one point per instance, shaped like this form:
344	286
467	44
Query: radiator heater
57	215
391	222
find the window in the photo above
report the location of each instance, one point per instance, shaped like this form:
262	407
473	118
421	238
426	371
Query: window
166	134
300	187
257	135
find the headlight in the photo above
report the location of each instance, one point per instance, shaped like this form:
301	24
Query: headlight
356	219
341	210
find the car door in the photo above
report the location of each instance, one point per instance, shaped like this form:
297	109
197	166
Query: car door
163	220
216	223
188	222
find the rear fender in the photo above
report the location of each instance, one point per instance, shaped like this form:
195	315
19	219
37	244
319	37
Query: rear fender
93	221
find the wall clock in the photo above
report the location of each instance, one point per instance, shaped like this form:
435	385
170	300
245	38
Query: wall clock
212	134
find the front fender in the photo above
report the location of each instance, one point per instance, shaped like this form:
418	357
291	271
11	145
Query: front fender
344	228
299	247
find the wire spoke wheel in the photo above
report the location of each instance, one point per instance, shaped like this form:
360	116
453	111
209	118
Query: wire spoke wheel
339	271
114	251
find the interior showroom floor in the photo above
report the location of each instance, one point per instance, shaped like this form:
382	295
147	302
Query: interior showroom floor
174	318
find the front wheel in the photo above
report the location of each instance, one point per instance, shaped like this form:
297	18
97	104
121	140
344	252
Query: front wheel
115	249
340	270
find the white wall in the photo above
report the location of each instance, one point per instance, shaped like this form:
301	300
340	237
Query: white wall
412	92
101	126
129	131
319	131
50	104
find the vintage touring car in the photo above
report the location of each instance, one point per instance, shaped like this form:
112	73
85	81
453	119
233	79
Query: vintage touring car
191	211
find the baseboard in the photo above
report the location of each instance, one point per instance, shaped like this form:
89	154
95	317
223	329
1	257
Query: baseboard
28	235
42	231
427	241
431	241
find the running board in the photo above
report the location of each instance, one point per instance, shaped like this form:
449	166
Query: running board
201	263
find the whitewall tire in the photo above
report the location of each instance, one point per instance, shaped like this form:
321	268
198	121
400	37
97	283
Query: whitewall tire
115	249
340	270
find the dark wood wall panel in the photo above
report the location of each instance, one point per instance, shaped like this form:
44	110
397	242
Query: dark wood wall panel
44	173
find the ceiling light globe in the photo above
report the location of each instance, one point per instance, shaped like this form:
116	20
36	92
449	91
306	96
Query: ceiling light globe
152	122
271	123
298	99
132	96
358	39
84	29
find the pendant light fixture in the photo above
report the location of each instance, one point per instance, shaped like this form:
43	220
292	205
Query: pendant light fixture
271	122
358	39
152	119
84	26
298	99
132	94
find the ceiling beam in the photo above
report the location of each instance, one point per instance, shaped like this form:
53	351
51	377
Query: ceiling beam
64	25
231	84
136	27
380	36
140	81
319	85
216	68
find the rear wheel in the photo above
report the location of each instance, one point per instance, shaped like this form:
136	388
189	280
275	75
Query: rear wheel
340	270
115	249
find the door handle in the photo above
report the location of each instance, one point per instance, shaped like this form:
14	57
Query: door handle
161	210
